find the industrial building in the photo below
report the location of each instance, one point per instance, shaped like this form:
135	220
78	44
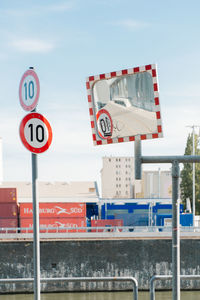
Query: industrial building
118	180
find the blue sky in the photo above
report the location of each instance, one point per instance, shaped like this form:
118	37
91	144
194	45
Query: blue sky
66	41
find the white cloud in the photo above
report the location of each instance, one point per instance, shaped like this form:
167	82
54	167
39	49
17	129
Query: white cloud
132	24
60	7
33	45
36	10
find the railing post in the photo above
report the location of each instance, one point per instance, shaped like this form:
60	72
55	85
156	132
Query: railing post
152	289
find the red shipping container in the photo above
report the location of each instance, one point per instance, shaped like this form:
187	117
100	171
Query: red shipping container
53	224
8	210
56	209
8	223
105	223
8	195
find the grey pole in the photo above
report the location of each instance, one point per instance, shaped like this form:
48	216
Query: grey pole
175	232
193	178
138	160
36	239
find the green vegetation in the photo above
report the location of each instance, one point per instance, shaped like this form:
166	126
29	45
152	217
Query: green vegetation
186	175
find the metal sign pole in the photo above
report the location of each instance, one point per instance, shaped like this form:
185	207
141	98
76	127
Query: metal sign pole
36	238
175	232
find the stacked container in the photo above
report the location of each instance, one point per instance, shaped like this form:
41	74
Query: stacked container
54	215
8	208
106	223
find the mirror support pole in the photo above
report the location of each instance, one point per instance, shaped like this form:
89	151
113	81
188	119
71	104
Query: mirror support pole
138	160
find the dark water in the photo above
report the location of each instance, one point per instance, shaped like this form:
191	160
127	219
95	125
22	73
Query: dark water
103	296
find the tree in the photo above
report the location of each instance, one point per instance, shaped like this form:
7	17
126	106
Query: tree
187	175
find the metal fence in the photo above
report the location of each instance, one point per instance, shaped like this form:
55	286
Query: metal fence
89	232
167	277
79	279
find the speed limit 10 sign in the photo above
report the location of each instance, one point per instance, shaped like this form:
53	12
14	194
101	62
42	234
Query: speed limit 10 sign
29	90
35	133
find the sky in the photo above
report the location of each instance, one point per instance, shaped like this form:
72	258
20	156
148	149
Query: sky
67	41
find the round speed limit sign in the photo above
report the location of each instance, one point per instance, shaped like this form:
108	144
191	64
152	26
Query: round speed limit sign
104	124
35	133
29	90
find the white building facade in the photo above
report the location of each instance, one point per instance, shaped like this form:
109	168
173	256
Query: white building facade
118	180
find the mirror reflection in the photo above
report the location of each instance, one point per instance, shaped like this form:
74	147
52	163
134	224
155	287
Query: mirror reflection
129	100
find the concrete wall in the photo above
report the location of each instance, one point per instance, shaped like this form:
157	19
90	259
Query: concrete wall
138	258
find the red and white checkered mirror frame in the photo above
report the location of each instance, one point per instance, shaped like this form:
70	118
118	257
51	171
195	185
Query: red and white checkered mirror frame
97	140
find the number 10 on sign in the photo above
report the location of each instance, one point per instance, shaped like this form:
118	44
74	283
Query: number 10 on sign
35	133
29	90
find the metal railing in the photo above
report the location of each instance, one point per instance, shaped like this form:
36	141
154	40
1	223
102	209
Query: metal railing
167	277
108	231
79	279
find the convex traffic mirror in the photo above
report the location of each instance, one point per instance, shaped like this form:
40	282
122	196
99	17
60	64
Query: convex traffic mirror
124	105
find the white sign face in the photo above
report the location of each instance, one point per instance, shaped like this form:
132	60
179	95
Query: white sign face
29	90
104	124
35	133
130	99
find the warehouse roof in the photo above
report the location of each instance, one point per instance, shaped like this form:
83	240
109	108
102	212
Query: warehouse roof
55	191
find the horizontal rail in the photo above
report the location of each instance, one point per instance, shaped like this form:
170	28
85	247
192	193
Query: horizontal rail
104	232
79	279
167	277
170	159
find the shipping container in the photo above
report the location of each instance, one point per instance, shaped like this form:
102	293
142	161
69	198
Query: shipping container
105	223
53	224
186	219
166	220
8	223
8	210
57	209
159	208
138	219
92	210
8	195
112	209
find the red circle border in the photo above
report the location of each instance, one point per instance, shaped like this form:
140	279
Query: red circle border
34	104
22	136
100	112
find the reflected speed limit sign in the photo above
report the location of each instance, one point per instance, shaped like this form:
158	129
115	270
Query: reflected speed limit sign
104	124
29	90
35	133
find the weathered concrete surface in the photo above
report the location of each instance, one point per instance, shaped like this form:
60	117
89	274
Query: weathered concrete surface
138	258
